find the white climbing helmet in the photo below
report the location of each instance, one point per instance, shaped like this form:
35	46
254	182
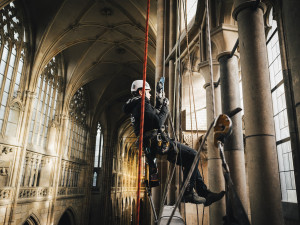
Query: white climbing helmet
139	84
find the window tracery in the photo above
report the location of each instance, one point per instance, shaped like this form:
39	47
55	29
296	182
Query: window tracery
78	106
49	87
77	128
12	52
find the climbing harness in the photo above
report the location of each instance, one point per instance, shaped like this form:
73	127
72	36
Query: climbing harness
142	115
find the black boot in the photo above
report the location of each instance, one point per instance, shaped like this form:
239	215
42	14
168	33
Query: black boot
212	197
191	196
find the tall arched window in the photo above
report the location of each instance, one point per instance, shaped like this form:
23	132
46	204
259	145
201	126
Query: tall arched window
12	50
95	179
77	128
98	148
283	143
45	103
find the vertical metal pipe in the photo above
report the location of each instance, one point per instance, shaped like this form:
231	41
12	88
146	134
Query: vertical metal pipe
172	40
158	73
159	41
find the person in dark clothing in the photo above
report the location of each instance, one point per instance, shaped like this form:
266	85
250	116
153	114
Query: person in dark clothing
156	141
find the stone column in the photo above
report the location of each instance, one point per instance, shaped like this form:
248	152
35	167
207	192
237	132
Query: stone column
234	147
264	186
215	178
290	48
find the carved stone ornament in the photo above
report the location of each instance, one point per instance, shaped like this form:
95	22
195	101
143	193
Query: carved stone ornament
5	149
3	171
13	29
5	193
36	192
78	106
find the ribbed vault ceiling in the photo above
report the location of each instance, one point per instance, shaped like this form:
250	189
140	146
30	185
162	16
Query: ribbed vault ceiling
102	43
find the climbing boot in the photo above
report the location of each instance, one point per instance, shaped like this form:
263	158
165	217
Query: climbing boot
192	197
212	197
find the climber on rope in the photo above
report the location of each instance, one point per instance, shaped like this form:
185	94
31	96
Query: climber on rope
156	141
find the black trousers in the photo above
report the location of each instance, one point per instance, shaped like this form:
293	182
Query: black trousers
185	159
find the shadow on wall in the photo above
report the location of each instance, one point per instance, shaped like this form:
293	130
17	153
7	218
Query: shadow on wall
67	218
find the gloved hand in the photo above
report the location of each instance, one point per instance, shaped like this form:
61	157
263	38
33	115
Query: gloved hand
166	102
159	102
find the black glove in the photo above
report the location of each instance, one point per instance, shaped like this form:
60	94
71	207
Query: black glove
166	102
159	102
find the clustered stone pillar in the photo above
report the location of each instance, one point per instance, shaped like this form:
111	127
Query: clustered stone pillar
215	176
291	72
234	148
264	186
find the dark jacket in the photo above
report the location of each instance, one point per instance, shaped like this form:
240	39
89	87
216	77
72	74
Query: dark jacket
153	118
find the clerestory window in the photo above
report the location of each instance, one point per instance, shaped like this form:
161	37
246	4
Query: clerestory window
95	179
188	11
45	103
283	143
12	52
77	127
98	148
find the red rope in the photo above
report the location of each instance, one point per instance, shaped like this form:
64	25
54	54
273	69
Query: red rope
142	115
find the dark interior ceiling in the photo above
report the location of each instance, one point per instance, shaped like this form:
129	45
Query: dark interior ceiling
102	44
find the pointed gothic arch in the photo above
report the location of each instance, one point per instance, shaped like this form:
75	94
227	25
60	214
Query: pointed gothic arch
32	220
67	218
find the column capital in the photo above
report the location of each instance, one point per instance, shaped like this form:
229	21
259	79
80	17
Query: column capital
226	54
204	70
244	4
